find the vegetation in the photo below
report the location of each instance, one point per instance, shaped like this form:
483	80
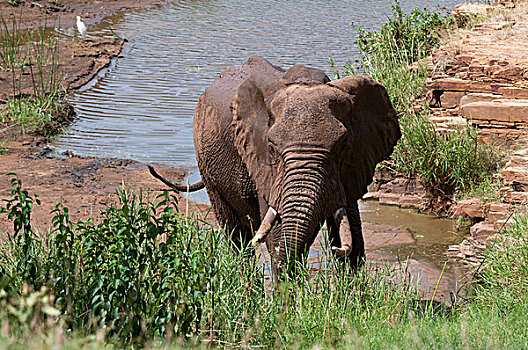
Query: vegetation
41	108
148	276
448	163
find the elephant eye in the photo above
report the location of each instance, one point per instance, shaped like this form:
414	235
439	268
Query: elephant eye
271	150
271	120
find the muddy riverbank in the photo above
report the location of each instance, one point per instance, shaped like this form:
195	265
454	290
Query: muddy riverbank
44	13
85	185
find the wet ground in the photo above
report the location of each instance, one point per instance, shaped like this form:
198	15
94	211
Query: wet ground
410	244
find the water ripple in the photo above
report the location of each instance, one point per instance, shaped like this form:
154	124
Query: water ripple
143	108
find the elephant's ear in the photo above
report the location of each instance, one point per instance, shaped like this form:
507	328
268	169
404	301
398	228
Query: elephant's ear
373	128
250	130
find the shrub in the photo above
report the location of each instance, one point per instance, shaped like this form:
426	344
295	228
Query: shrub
446	162
142	272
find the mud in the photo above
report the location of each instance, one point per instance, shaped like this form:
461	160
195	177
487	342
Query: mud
86	185
44	13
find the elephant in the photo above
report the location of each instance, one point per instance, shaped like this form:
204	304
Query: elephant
285	151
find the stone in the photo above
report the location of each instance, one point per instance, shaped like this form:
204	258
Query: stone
512	196
476	97
513	92
494	216
482	230
412	202
389	198
515	174
448	120
500	207
510	73
472	9
457	84
472	208
501	110
371	195
377	236
451	99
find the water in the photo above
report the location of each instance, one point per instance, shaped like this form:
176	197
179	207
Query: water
143	107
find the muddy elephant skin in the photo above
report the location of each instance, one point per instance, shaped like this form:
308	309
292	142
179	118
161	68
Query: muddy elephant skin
286	150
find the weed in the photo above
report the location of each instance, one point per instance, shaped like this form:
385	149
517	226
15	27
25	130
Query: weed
447	162
11	42
43	109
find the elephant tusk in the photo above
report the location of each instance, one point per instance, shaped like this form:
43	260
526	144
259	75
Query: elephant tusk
345	233
265	227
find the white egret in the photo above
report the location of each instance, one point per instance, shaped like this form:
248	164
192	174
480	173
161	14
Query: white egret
81	27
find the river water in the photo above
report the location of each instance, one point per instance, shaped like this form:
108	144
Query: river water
142	107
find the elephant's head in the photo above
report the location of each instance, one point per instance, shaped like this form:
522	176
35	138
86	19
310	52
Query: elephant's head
310	149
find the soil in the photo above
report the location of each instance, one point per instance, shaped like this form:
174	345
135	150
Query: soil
47	13
86	185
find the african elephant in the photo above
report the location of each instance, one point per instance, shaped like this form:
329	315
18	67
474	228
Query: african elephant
285	151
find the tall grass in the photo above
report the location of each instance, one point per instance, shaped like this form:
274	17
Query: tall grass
11	42
146	272
43	109
147	276
448	163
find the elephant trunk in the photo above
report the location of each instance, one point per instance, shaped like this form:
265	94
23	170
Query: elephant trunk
301	204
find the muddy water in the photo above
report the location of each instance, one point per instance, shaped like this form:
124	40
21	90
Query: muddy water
410	244
142	107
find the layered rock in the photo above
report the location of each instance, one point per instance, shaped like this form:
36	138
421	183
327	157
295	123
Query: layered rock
482	79
515	175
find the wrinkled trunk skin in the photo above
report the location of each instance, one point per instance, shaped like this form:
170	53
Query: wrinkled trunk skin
303	196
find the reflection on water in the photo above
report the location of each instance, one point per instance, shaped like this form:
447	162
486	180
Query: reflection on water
143	107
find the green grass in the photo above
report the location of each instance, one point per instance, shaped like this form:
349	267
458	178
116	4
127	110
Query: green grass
448	163
43	109
146	272
147	276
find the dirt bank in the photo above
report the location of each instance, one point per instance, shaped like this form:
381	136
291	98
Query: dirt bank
84	184
39	13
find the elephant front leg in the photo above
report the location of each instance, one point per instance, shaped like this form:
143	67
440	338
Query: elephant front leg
346	236
357	256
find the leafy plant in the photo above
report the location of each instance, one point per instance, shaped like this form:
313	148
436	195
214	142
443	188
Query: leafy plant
24	242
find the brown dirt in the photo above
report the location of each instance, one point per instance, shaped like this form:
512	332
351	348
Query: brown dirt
39	13
86	185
